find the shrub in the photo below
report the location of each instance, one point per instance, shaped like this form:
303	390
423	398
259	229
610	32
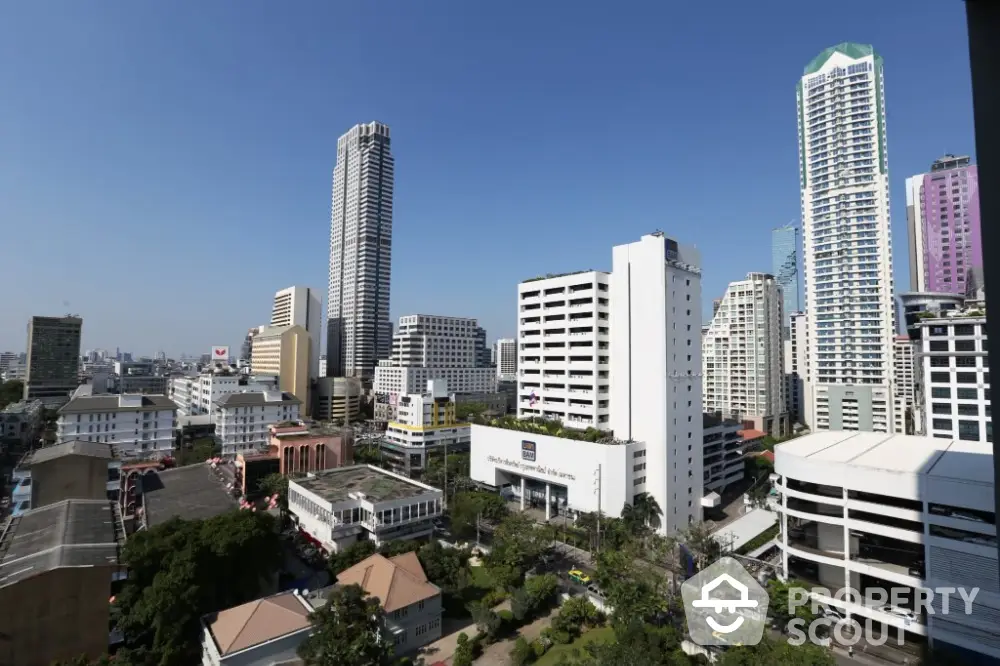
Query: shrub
494	597
463	651
522	653
539	648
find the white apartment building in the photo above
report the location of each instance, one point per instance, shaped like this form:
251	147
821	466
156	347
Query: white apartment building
904	385
359	332
196	394
847	259
139	426
956	377
655	356
506	360
563	358
744	377
425	424
304	307
427	347
242	419
865	511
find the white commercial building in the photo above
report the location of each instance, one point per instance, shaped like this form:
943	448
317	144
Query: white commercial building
359	332
506	360
904	385
870	511
425	423
744	376
139	426
242	420
956	377
844	181
562	337
339	507
429	347
304	307
196	394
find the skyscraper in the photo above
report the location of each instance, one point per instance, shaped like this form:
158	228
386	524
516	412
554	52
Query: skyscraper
507	360
300	306
942	217
785	268
53	368
359	332
847	258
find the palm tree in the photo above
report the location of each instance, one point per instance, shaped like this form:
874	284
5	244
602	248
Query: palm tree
647	510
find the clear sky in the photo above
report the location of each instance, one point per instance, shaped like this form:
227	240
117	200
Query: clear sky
165	167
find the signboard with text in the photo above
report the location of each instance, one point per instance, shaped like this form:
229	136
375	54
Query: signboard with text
528	451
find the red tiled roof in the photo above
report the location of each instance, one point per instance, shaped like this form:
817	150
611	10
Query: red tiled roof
769	455
750	433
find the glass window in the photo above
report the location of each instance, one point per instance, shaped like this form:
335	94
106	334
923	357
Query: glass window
965	377
941	424
968	430
967	394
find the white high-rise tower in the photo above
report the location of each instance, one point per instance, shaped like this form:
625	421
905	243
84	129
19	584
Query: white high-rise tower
359	332
847	258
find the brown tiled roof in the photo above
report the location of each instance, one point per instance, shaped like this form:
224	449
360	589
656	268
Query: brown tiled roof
257	622
750	433
396	582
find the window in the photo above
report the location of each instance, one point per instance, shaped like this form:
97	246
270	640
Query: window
940	377
965	377
964	345
941	424
968	431
938	345
966	409
939	361
941	408
967	394
943	392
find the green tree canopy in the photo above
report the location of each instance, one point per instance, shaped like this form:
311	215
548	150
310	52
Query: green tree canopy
776	653
11	391
464	508
517	544
347	631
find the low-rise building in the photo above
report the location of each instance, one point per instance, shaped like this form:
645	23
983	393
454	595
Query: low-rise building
20	424
243	420
723	452
71	470
262	632
302	448
195	394
425	425
139	426
340	507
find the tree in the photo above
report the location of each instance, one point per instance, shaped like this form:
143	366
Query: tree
347	631
521	653
647	511
464	653
637	592
466	507
485	618
702	545
448	568
517	544
182	570
777	607
458	473
776	653
201	450
11	391
348	557
276	484
638	644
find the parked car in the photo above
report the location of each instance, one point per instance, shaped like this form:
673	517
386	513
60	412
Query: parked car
904	613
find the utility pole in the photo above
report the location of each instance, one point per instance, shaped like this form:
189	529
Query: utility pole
444	505
478	518
597	489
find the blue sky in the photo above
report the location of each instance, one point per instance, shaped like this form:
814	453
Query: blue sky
165	167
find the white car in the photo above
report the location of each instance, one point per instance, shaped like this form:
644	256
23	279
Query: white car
832	613
907	615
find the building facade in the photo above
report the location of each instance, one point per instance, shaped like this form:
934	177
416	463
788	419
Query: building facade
655	353
483	356
425	425
301	306
785	244
243	420
796	368
723	453
138	426
942	215
847	258
904	385
20	424
563	357
742	365
359	332
196	394
338	399
506	360
52	371
284	352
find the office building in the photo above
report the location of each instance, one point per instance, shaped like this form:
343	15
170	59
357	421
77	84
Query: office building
301	306
506	363
196	394
955	377
871	510
243	420
359	332
743	371
785	244
53	364
424	426
656	394
847	256
562	346
284	352
139	377
904	385
482	355
338	399
942	215
722	455
139	426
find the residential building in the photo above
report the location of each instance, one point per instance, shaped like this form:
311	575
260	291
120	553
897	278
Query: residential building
17	370
785	244
338	399
723	455
655	360
76	469
359	332
59	568
411	604
942	215
52	370
742	365
242	420
956	377
562	338
284	352
301	306
847	258
917	306
262	632
506	360
429	347
196	394
425	425
871	510
796	361
904	385
139	426
6	358
246	349
342	506
20	424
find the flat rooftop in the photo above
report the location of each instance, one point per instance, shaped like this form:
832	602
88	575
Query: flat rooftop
376	484
907	454
76	447
746	528
71	533
192	492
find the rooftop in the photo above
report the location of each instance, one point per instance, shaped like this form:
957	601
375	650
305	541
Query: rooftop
257	622
71	533
22	406
192	492
257	399
912	454
376	484
76	447
928	318
751	433
539	426
745	528
551	276
114	403
312	429
397	582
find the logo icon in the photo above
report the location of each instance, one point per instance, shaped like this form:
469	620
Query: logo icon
528	451
220	353
725	605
